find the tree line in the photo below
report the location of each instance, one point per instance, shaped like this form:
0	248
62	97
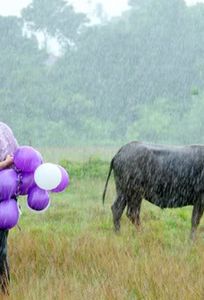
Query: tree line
138	76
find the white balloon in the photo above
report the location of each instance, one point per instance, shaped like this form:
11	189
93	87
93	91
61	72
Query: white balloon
47	176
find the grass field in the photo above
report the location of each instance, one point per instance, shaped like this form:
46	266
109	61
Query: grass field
78	154
71	251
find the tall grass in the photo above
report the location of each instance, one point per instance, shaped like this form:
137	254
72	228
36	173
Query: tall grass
71	251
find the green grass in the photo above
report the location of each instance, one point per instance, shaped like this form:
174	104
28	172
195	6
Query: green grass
81	154
71	251
92	168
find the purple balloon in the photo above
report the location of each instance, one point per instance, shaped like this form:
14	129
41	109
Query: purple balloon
64	181
27	159
27	182
9	214
38	199
8	183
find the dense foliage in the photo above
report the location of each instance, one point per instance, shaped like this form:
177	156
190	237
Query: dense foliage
138	76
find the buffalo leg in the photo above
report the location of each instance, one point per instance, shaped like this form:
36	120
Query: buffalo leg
4	268
133	210
117	211
198	209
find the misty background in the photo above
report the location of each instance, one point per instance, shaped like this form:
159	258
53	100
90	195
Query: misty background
138	76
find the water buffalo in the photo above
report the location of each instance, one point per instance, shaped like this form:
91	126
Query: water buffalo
167	176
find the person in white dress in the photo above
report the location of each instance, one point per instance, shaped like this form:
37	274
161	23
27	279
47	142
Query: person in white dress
8	145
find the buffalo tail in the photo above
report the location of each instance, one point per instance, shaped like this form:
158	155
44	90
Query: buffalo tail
105	188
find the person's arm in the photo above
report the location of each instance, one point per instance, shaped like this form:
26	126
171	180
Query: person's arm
7	162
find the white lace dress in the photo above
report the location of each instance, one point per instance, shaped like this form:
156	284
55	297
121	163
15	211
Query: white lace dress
8	143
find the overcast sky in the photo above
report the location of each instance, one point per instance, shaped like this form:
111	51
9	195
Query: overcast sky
111	7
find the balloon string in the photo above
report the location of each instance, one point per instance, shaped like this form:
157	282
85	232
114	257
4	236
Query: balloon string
19	182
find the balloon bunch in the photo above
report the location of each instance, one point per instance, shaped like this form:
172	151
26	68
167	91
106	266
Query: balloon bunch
31	177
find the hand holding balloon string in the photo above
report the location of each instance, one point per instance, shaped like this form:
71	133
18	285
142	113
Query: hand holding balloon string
7	162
